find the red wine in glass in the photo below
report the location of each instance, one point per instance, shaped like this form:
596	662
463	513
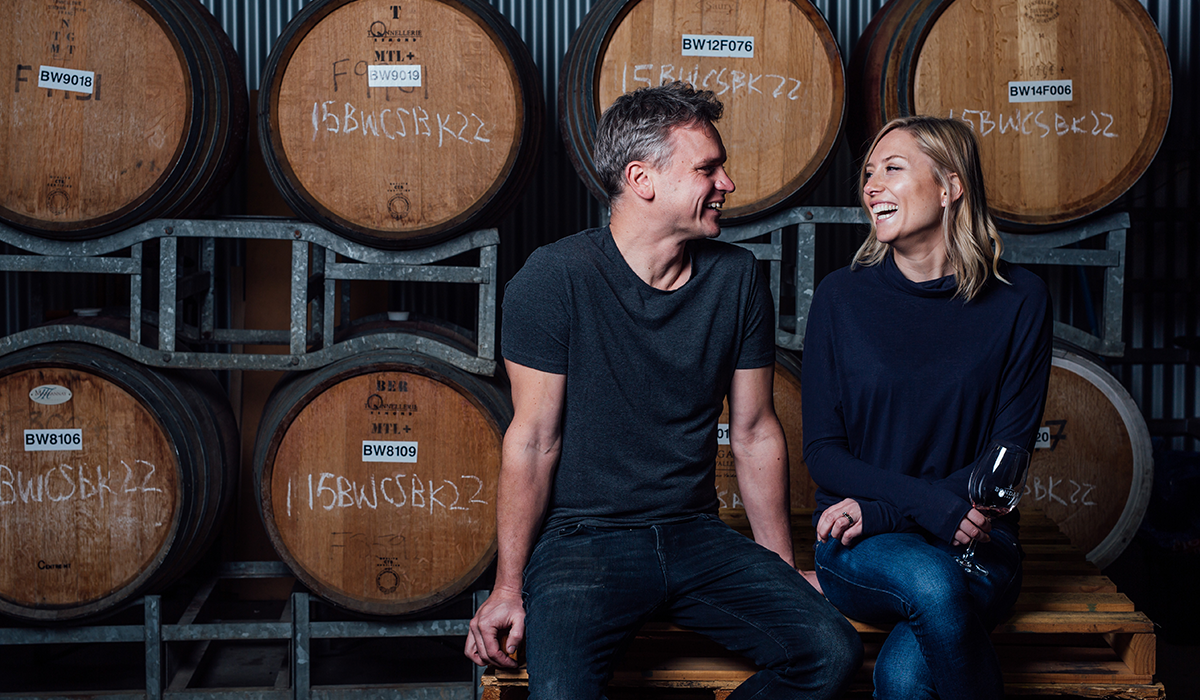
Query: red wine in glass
996	485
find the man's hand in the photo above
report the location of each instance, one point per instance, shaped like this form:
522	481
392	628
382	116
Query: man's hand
842	521
502	613
975	526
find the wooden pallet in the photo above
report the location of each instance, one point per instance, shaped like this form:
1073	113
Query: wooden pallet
1072	633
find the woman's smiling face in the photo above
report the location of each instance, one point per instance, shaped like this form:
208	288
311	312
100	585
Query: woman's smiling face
902	192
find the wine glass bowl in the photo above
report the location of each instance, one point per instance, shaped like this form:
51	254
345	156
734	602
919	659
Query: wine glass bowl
996	485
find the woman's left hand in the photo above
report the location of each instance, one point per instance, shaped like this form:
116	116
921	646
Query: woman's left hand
975	526
842	521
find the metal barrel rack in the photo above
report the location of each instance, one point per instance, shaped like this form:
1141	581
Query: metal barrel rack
173	650
321	263
317	269
1105	235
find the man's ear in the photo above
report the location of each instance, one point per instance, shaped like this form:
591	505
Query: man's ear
639	179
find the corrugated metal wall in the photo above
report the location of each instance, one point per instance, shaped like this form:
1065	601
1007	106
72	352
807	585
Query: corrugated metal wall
1162	293
1162	301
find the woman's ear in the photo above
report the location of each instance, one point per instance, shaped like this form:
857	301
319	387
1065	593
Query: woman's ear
955	187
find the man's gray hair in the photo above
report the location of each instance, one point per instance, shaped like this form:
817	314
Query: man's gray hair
638	127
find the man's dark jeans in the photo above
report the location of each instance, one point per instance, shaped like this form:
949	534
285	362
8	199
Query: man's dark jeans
590	586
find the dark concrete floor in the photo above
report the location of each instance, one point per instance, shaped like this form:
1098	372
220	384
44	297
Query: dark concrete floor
1166	586
1179	670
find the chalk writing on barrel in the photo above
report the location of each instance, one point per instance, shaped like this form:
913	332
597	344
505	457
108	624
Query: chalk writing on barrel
398	122
327	491
734	502
1053	490
1038	123
720	80
66	482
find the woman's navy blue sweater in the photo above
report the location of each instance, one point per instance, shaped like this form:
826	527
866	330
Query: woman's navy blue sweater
905	385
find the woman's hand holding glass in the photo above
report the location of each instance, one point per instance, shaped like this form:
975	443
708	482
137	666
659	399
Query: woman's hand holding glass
975	526
996	485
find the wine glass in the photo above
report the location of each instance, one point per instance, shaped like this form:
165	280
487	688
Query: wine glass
996	485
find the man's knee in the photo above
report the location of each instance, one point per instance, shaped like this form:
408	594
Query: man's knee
844	653
833	654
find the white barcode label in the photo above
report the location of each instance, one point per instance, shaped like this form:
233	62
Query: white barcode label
1043	438
394	76
53	439
53	78
382	451
717	46
1039	91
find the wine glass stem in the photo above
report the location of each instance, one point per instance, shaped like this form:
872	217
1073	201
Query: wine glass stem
970	553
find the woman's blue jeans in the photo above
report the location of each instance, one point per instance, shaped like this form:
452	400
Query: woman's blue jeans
589	587
940	646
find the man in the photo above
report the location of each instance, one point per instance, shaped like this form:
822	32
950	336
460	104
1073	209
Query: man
621	344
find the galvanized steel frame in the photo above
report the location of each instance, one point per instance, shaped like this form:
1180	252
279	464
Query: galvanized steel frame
319	261
1051	249
805	220
316	271
1029	249
295	627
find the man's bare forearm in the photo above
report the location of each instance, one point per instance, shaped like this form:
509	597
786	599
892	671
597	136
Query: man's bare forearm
762	472
522	499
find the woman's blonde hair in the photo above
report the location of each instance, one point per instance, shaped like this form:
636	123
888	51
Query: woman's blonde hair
973	245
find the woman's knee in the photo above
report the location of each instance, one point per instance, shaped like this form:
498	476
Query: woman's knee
938	590
894	680
901	669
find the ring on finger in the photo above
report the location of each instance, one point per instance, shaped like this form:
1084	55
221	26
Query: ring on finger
849	517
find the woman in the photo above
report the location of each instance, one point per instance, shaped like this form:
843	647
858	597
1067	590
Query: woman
918	355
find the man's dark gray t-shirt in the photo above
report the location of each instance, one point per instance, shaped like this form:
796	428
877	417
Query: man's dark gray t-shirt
646	370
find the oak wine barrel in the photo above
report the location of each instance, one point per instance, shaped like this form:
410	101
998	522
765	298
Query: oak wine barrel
1092	469
376	479
1069	98
788	408
773	63
400	124
113	478
120	111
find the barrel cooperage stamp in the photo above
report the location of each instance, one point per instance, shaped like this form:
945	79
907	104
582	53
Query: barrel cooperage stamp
387	580
1041	11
